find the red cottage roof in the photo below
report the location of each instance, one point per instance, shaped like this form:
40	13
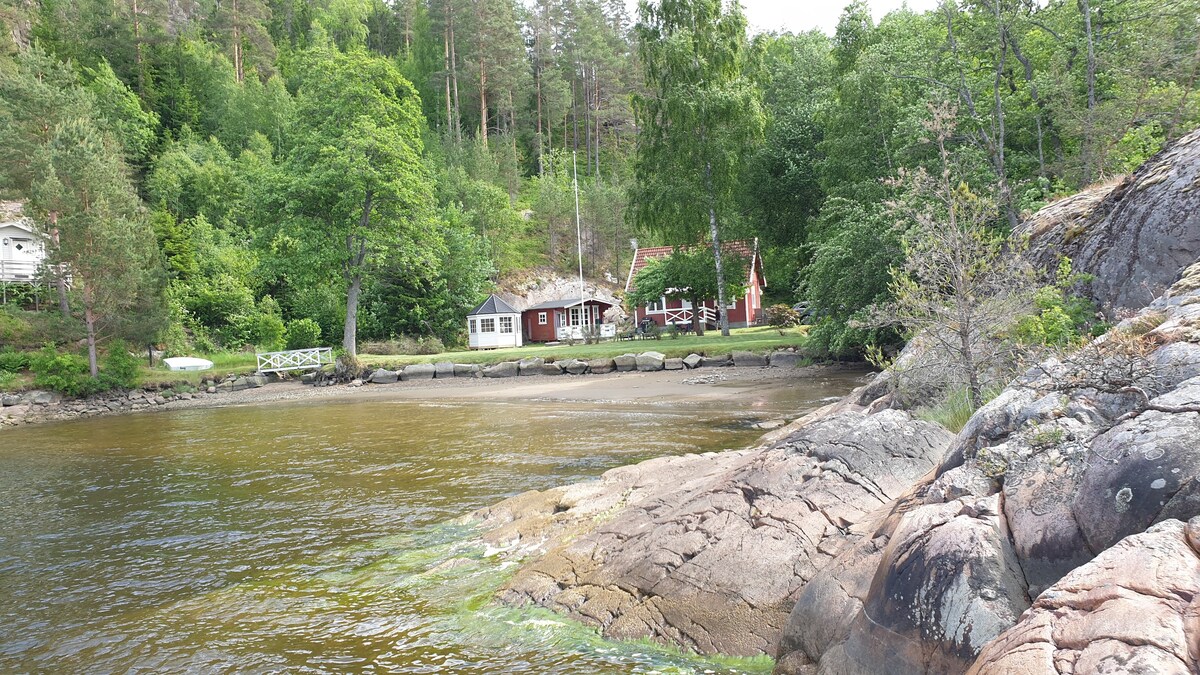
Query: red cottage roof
743	248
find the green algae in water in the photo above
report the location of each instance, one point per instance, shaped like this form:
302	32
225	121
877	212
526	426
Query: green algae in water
461	568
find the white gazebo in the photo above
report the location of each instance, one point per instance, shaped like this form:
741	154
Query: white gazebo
21	247
494	325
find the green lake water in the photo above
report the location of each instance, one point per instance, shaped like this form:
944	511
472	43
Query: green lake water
314	537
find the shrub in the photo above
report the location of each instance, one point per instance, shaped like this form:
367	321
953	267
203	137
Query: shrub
120	368
302	334
783	316
62	372
13	361
268	331
13	329
404	344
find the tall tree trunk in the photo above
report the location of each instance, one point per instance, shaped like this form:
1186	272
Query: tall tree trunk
713	230
446	62
1089	141
350	330
238	67
137	51
89	320
1027	65
483	104
697	316
1006	201
596	81
60	271
574	114
587	119
537	76
454	77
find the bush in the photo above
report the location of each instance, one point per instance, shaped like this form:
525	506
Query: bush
268	332
404	344
13	329
302	334
13	361
783	316
120	368
62	372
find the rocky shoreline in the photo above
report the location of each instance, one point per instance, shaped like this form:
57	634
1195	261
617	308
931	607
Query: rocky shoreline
36	406
1058	532
860	539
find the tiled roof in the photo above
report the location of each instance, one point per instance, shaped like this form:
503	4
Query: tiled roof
493	305
569	302
741	247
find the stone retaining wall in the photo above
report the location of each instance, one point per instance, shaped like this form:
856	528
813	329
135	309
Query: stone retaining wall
36	406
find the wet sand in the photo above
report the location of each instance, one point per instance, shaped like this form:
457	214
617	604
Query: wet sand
701	385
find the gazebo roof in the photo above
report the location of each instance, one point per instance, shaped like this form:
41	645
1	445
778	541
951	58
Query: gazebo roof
493	305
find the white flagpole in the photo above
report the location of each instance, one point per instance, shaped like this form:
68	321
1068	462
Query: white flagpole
583	317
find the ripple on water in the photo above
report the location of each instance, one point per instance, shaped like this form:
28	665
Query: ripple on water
305	537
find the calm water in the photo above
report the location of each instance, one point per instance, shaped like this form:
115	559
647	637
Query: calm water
313	538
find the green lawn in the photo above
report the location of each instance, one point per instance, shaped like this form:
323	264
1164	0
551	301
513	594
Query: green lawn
742	339
763	339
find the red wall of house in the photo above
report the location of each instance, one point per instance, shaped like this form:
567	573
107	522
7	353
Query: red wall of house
736	314
538	333
547	333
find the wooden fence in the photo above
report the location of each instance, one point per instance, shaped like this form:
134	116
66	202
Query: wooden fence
295	359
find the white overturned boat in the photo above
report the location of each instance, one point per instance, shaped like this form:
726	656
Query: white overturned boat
187	363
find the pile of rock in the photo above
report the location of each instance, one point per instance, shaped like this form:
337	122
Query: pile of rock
650	361
43	406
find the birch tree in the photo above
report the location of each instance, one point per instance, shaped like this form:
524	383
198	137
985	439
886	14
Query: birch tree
699	118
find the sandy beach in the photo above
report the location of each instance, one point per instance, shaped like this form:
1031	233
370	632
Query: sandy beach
710	384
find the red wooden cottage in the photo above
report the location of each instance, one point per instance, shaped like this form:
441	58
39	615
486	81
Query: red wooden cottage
743	311
564	319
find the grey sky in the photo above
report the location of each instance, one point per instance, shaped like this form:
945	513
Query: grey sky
802	15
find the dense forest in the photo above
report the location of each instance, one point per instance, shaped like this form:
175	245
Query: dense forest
221	173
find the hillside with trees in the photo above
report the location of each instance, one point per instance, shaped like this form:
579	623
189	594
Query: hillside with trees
224	174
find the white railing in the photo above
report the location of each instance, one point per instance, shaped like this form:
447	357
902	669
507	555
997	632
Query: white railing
676	316
19	270
607	330
296	359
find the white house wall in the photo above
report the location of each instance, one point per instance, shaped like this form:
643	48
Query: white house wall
494	339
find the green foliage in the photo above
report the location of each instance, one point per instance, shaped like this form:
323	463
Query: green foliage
1138	145
303	334
782	316
13	361
953	412
854	248
688	274
13	329
120	369
1061	318
405	344
65	373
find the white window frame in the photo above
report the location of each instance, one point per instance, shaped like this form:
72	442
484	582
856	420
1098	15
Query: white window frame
506	325
541	318
471	324
487	325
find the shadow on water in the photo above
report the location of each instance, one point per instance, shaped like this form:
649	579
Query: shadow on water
310	537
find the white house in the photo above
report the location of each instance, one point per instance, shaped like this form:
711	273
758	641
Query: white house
22	248
493	325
